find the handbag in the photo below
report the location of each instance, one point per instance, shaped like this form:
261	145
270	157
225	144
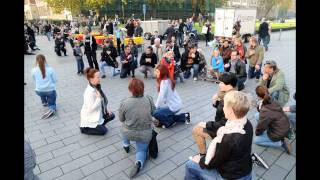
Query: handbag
153	145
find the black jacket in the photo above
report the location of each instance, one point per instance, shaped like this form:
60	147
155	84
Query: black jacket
263	29
273	120
153	57
90	47
123	57
232	158
109	59
170	32
240	69
130	29
177	54
138	31
110	28
47	28
59	43
181	26
184	59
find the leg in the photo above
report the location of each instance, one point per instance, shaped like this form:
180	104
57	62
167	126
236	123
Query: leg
265	43
195	172
88	54
99	130
81	65
195	70
94	59
102	65
251	72
292	119
165	116
52	100
143	69
240	83
151	70
259	40
118	46
64	51
275	95
78	65
257	73
124	72
44	99
125	141
141	152
200	138
264	140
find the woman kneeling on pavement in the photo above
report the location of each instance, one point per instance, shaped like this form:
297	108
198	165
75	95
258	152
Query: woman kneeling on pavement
273	124
168	102
94	113
229	153
135	113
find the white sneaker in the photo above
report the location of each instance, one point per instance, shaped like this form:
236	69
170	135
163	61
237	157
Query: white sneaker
195	79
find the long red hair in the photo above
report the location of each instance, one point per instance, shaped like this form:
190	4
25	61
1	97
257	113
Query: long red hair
164	74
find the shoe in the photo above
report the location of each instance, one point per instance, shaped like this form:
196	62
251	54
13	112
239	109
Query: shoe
286	145
48	114
163	127
195	79
259	161
44	104
25	83
135	169
103	76
187	118
127	149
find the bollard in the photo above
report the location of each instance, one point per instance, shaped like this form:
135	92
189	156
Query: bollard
280	35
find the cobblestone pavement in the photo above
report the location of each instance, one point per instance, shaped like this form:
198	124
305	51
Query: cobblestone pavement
64	153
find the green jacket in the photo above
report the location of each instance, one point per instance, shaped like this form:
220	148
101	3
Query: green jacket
257	57
278	84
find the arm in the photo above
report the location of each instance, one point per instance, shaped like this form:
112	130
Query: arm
93	103
53	76
264	121
162	94
278	84
143	59
261	55
122	112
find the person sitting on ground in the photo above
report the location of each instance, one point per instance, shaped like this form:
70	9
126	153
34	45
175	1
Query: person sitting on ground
273	124
94	112
134	52
155	36
229	153
148	61
135	112
205	130
126	61
171	45
238	67
45	79
291	113
217	64
168	61
190	59
240	47
225	51
60	46
273	78
255	55
158	49
108	58
168	102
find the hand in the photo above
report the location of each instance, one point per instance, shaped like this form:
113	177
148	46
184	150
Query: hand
286	109
108	52
126	62
193	55
218	62
251	52
109	112
257	67
202	124
227	65
98	94
265	76
129	56
196	158
214	98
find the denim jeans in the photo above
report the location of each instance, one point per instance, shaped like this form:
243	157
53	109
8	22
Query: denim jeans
80	64
265	41
103	71
48	34
263	139
180	37
195	172
48	98
275	95
240	83
187	73
292	119
141	150
254	73
167	117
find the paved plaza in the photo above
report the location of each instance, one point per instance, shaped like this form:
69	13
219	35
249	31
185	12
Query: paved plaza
64	153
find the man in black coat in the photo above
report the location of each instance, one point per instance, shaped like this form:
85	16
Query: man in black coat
238	67
60	46
147	62
108	58
170	31
130	28
90	47
263	33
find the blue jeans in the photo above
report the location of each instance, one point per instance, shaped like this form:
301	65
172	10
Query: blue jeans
253	72
167	117
187	73
141	150
80	64
240	83
265	41
48	34
292	119
275	95
103	71
263	139
48	98
180	39
195	172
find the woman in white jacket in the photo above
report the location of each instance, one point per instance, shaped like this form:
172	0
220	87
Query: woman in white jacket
94	113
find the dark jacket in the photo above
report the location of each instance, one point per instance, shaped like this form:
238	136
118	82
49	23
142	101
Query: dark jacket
130	29
240	69
170	32
134	51
47	28
273	120
109	59
153	57
123	57
225	53
263	29
90	47
184	59
110	28
59	43
176	52
138	31
181	26
232	158
56	30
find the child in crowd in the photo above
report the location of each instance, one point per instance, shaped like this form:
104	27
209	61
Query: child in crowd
217	64
77	52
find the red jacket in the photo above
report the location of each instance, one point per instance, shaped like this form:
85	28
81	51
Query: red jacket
170	65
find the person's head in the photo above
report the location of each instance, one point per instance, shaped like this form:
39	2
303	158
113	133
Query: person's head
234	55
157	41
236	105
93	76
180	21
226	43
127	50
263	19
156	33
173	39
237	42
86	32
192	48
228	81
263	93
136	87
216	52
41	62
130	42
270	67
253	41
149	50
162	73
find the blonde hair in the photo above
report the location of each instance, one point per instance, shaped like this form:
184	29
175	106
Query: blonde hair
239	102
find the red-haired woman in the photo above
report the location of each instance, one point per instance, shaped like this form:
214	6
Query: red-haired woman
94	113
168	61
168	101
